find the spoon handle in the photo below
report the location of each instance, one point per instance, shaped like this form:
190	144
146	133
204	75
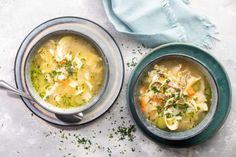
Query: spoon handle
12	89
76	117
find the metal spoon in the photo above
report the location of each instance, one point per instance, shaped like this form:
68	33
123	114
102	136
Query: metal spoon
66	118
74	118
14	90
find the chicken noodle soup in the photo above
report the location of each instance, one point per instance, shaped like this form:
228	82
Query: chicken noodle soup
67	71
174	95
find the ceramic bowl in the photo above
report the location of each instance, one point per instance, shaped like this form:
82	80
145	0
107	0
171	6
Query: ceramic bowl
203	124
197	57
62	26
111	52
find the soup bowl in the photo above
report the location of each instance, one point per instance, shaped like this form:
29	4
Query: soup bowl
195	57
59	27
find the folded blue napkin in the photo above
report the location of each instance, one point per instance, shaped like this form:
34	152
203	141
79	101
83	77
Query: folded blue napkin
156	22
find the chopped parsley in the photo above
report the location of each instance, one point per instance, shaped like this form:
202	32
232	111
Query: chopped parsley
69	67
159	109
54	73
154	89
126	132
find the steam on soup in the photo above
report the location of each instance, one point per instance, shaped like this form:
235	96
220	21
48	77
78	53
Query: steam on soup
67	71
174	95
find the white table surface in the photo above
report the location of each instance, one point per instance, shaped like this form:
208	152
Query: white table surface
24	135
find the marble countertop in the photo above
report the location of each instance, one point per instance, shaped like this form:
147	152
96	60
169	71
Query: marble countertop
23	134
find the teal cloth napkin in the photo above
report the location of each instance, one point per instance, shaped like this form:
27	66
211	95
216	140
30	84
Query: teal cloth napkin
156	22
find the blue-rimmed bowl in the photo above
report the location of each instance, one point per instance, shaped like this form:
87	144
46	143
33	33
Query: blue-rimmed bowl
62	26
101	39
214	73
93	34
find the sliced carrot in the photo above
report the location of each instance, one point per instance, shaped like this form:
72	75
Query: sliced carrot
142	108
63	61
143	103
65	82
190	91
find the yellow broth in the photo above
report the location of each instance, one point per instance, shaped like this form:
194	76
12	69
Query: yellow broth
67	71
174	95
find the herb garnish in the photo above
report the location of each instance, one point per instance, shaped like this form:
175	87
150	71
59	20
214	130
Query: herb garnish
69	67
126	132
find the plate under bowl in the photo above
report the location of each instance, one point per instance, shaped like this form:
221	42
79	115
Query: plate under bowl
112	53
222	106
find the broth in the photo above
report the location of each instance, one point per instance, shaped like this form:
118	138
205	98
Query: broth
67	71
174	95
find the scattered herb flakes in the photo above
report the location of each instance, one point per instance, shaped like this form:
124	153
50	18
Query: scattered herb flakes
46	134
121	109
109	151
89	144
111	135
85	142
126	132
132	63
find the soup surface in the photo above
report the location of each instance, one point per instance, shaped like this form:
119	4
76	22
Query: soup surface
67	71
174	95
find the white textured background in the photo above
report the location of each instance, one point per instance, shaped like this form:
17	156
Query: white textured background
24	135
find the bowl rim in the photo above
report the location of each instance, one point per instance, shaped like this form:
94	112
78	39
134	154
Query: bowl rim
32	92
223	108
211	112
